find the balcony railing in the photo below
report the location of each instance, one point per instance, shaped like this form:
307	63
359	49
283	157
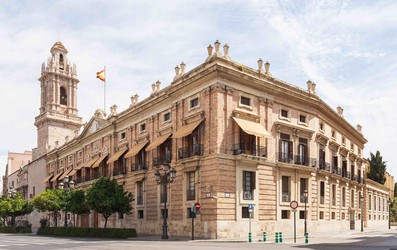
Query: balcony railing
324	166
345	173
117	172
301	160
190	195
354	177
138	166
285	157
190	151
336	170
286	197
249	149
96	175
139	200
161	160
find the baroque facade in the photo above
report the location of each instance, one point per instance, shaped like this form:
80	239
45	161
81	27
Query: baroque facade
235	135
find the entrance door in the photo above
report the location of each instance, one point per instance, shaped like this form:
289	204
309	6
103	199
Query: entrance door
352	220
84	222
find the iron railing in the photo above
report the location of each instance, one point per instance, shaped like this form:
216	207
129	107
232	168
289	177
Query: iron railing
336	170
324	166
190	151
301	160
345	173
161	160
249	149
117	172
285	157
138	166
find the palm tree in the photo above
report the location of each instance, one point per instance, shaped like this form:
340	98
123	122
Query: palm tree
377	168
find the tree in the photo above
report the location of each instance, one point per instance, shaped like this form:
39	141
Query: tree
395	189
107	197
377	168
50	200
13	207
76	202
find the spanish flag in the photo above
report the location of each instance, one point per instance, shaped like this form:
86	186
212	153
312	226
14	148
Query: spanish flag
101	75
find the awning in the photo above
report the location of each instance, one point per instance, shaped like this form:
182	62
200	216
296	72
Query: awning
65	174
48	178
158	141
116	156
98	162
252	128
79	167
135	149
187	129
89	163
72	172
56	176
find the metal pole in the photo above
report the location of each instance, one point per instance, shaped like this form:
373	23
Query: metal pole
294	226
389	211
305	216
165	227
249	234
191	214
362	219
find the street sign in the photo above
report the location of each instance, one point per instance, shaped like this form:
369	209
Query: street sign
250	208
294	204
197	205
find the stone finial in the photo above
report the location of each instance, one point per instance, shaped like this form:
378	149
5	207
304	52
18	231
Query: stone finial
177	70
153	88
260	64
217	43
113	110
66	139
183	67
340	111
158	83
134	100
267	67
359	128
209	50
226	51
314	88
311	87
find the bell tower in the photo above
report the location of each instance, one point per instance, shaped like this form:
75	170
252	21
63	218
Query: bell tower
58	120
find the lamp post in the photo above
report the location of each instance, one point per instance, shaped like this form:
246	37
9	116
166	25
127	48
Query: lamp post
67	186
305	194
167	176
362	215
389	201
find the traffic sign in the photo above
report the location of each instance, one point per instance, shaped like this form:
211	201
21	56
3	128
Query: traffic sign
294	204
250	208
197	205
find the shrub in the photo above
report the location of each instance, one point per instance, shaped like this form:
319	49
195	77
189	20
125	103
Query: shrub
43	223
16	230
88	232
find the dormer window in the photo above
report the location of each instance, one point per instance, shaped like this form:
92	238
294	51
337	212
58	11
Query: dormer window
245	101
63	96
60	58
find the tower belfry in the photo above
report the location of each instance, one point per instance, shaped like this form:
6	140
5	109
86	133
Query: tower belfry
58	118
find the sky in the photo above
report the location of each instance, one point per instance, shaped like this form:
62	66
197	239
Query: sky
348	48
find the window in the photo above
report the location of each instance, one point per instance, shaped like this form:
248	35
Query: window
60	58
351	146
284	214
167	117
302	215
321	215
321	154
333	195
302	118
80	154
370	202
379	204
284	113
285	189
343	197
139	193
122	135
285	148
302	152
321	126
70	159
374	203
245	101
142	127
333	133
63	96
359	201
245	213
343	140
61	163
162	213
343	216
194	102
303	187
322	192
248	185
190	195
333	215
121	216
352	198
140	214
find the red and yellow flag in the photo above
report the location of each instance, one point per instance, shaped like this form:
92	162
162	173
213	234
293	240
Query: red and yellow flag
101	75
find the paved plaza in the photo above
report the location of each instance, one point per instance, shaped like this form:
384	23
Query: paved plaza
377	239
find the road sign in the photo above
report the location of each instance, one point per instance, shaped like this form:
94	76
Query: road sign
250	208
294	204
197	205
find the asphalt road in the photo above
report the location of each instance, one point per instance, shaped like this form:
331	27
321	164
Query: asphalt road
378	240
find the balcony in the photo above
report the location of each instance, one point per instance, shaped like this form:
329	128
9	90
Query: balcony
354	177
162	160
117	172
190	195
324	166
345	173
139	200
336	170
285	157
138	167
249	149
190	151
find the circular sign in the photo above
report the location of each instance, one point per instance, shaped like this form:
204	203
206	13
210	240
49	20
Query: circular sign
197	205
294	204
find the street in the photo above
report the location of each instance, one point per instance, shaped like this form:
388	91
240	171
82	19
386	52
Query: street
386	239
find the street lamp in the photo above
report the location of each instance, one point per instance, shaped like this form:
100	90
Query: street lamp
305	194
362	215
389	201
67	186
164	178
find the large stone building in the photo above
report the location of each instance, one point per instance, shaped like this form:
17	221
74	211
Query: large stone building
235	136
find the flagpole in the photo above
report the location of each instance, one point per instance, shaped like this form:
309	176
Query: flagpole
104	93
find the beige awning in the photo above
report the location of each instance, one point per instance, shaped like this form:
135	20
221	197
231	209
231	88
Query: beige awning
158	141
116	156
187	129
79	167
89	163
48	178
135	150
252	128
56	176
65	174
72	172
98	162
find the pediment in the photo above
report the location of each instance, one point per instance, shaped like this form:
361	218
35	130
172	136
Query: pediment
95	124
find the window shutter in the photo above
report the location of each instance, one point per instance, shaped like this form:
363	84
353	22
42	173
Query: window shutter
280	147
290	147
244	182
253	184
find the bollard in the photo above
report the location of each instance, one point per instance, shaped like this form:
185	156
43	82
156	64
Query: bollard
307	238
249	237
281	237
276	237
264	236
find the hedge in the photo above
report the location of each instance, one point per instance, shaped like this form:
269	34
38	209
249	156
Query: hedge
88	232
15	230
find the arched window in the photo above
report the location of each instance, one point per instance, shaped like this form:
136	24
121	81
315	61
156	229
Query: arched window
60	58
63	96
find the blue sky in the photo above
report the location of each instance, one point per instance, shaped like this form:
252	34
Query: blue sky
348	48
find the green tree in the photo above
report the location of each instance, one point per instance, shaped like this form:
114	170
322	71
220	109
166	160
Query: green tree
395	189
107	197
76	202
377	168
50	200
5	207
13	206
